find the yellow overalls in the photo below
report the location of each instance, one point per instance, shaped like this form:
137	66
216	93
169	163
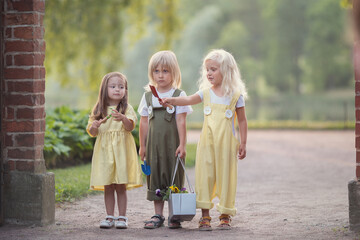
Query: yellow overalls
216	157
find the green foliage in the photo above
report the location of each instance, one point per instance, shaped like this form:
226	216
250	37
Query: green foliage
302	125
78	38
346	3
66	140
169	24
72	183
190	155
85	38
292	47
135	132
326	60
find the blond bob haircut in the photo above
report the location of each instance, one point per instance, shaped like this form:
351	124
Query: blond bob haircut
165	59
229	70
99	111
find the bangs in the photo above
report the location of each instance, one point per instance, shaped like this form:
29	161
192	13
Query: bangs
165	59
164	62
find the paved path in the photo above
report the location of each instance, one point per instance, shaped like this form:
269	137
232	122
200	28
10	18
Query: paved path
292	185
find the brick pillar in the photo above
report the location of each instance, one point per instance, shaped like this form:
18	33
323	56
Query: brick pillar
29	190
1	104
354	185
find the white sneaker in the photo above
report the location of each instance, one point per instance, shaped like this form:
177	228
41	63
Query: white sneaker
121	224
107	223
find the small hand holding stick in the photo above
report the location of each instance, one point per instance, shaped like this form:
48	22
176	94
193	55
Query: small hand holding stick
153	90
96	124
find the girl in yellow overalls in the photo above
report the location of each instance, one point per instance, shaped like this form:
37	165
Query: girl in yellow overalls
223	93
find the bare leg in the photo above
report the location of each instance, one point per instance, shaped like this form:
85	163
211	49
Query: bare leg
205	212
204	223
159	207
109	198
121	199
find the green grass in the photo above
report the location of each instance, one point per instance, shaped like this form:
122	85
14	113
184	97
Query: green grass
190	155
73	182
290	124
302	125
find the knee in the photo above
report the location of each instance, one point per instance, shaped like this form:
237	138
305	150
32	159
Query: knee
120	188
109	188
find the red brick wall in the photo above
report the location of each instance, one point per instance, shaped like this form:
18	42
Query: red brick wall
23	113
356	62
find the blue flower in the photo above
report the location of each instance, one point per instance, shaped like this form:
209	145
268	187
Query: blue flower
158	193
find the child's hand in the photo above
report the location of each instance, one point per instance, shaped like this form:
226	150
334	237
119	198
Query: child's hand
96	124
181	152
242	152
117	115
164	101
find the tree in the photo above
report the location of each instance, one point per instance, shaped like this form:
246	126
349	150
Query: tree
286	32
84	38
327	64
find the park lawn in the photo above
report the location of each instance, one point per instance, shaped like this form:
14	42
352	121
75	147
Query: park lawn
73	182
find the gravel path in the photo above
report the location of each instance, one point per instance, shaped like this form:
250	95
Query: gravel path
292	185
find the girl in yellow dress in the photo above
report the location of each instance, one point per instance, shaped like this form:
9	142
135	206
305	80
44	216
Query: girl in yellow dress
115	166
223	93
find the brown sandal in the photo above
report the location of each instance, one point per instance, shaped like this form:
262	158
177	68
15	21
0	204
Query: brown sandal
225	221
204	224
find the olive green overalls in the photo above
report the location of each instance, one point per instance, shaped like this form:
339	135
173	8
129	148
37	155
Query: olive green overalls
161	144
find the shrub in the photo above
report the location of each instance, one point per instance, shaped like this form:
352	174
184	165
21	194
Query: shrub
66	140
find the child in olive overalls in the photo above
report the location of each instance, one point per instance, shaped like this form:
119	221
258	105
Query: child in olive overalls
222	91
162	132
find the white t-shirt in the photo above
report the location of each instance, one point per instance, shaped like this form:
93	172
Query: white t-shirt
221	100
143	109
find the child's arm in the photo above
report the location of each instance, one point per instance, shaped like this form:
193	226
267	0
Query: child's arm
143	130
183	101
240	112
181	126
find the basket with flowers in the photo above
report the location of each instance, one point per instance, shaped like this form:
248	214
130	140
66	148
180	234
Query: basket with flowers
165	193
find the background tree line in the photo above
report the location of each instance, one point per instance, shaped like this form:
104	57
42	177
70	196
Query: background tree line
283	47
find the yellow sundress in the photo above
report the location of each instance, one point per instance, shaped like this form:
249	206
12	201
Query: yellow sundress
115	158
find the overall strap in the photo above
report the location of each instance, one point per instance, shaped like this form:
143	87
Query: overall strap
148	98
177	92
206	96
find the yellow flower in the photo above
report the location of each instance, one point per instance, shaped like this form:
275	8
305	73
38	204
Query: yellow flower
174	189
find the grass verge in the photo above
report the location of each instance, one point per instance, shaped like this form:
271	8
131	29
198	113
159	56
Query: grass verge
73	182
300	125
